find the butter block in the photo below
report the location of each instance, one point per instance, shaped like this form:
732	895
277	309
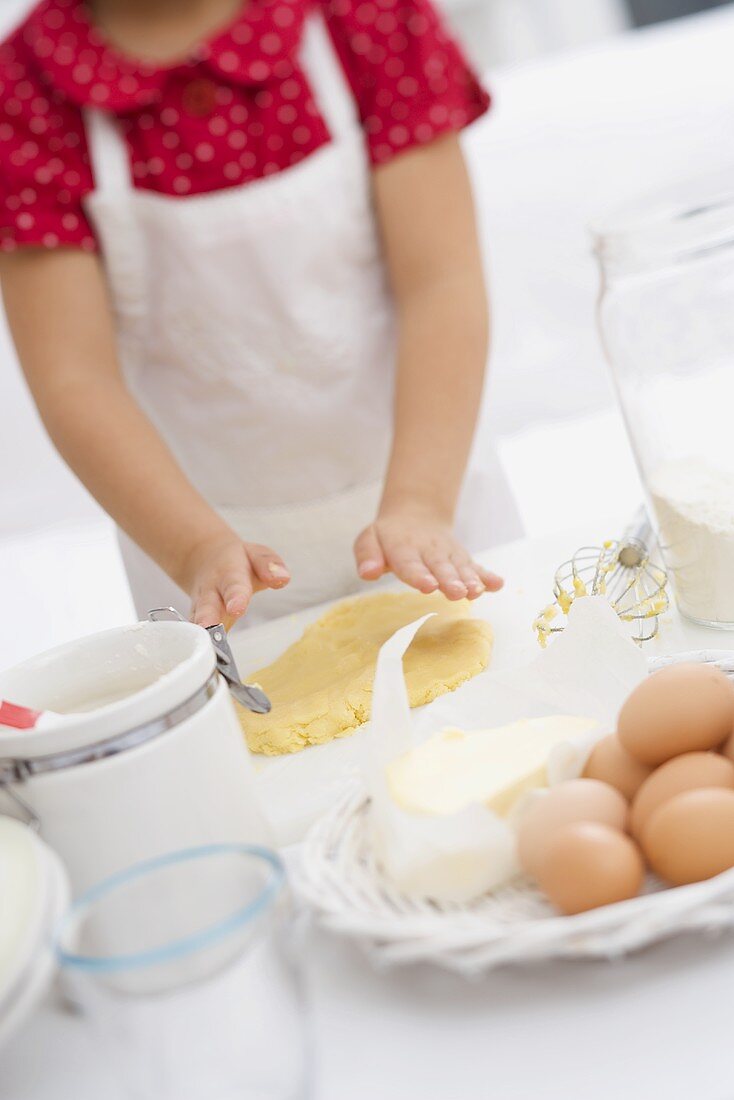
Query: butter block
492	767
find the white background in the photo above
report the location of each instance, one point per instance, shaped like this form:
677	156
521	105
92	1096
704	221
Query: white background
569	134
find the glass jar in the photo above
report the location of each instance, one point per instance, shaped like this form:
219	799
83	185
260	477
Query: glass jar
187	967
666	317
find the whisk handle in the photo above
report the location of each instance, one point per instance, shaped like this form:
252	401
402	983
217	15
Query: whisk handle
640	528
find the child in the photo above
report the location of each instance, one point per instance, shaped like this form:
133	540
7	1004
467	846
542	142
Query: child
249	306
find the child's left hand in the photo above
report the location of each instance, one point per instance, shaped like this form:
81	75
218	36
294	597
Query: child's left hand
419	548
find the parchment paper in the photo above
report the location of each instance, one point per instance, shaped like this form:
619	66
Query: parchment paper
587	671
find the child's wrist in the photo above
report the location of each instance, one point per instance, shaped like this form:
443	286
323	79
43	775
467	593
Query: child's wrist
424	503
195	551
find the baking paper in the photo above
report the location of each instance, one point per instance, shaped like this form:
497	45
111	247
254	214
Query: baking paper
588	671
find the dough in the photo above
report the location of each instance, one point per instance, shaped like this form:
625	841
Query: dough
321	686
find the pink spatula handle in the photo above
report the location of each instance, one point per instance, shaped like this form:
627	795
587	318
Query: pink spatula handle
19	718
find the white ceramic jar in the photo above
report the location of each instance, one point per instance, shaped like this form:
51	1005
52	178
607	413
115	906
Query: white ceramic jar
34	893
142	755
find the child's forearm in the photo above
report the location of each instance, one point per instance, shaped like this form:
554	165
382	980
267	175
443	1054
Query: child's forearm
426	212
441	362
429	231
115	451
61	322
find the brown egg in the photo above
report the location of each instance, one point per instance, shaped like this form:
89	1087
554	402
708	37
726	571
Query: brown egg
691	837
586	865
682	708
687	772
728	748
612	764
568	803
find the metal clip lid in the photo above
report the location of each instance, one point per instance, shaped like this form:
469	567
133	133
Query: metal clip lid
248	695
14	772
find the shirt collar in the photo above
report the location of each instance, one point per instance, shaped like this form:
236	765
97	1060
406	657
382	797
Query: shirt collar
258	45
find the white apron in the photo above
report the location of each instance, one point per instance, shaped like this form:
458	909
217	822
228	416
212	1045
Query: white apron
256	330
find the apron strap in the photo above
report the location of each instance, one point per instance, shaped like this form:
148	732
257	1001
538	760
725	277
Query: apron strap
107	151
328	80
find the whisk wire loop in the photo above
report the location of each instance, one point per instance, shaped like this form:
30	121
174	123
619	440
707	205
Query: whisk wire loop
622	571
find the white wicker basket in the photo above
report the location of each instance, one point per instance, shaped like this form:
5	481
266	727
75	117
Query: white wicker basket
338	878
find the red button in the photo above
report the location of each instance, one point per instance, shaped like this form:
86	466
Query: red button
200	97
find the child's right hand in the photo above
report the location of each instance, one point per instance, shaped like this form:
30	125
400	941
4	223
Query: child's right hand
221	576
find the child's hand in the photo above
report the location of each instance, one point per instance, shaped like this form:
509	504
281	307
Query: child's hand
419	548
223	574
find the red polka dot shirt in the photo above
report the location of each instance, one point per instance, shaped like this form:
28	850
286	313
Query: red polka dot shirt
237	109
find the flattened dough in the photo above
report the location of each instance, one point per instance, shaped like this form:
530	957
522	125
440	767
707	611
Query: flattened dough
321	686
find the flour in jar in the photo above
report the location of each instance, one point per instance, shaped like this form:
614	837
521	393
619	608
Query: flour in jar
694	502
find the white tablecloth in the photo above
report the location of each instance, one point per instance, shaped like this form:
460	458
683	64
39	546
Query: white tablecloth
653	1025
658	1024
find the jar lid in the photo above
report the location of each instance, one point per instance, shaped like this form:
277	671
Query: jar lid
104	685
678	223
34	893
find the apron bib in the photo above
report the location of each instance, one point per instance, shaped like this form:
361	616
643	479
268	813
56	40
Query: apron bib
256	330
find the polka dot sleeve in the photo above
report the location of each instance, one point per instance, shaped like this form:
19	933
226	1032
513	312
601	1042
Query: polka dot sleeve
410	79
44	166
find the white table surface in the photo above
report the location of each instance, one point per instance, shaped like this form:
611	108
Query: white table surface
655	1024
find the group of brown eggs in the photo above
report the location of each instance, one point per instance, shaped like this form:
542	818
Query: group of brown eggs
658	793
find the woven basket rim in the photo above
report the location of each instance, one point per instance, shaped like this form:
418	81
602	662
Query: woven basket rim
352	897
